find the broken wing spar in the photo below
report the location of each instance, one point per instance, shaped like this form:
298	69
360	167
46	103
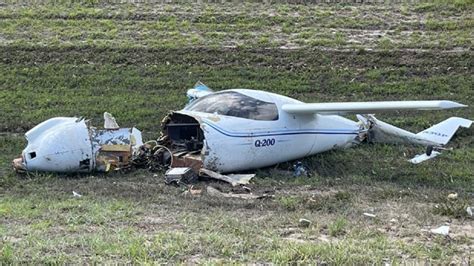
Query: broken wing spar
338	108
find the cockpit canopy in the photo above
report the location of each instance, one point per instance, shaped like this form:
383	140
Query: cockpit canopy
231	103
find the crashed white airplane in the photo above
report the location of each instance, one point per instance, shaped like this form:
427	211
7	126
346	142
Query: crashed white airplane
241	129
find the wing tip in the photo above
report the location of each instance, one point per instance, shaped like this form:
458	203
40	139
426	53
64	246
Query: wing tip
451	104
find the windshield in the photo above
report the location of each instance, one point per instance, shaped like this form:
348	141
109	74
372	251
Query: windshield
235	104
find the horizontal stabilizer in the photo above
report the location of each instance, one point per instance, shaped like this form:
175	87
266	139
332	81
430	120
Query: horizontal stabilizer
423	157
367	107
442	132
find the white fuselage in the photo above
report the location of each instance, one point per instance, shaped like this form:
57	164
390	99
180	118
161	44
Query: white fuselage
234	144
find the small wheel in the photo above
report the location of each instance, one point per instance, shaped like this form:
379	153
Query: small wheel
429	150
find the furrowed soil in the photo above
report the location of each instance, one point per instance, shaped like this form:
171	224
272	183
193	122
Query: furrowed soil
136	61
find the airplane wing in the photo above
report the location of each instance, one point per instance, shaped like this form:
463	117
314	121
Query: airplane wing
339	108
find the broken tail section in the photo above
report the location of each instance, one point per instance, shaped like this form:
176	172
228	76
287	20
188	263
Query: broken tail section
434	137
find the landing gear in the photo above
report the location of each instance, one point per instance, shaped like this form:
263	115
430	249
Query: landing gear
429	150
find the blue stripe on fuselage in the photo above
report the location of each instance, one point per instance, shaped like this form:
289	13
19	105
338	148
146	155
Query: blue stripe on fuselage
283	132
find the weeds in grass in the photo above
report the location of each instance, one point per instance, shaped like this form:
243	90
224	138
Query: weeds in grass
6	255
289	202
455	208
338	227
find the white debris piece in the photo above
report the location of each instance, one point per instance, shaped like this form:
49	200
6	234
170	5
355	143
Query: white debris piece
242	179
109	121
304	222
469	211
75	194
423	157
442	230
234	179
178	175
453	196
371	215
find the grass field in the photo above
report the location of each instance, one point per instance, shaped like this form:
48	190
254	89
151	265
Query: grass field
137	61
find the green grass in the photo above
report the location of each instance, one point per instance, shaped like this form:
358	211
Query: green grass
104	227
43	83
217	25
137	61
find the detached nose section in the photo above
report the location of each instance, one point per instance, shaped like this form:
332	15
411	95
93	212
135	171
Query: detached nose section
59	144
69	144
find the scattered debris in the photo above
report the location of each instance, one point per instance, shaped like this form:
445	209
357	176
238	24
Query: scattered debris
442	230
70	144
213	192
419	158
242	179
217	176
304	222
195	191
453	196
246	188
371	215
75	194
18	165
234	180
179	175
152	156
469	211
393	220
300	170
